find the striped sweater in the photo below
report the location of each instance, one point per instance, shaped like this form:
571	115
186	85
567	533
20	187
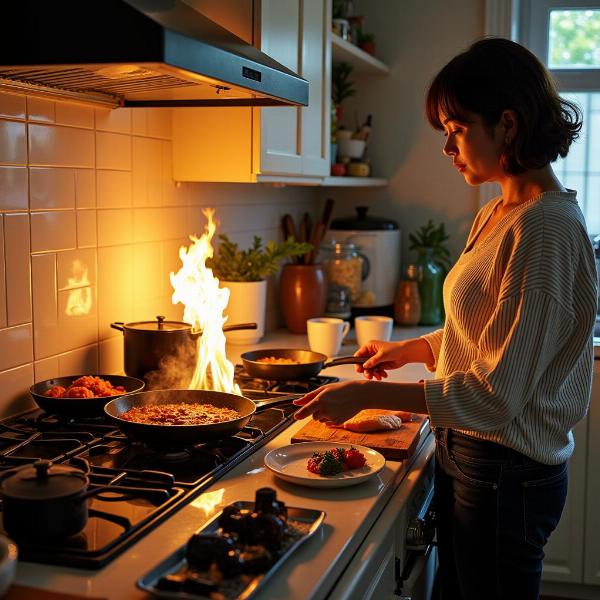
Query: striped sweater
513	363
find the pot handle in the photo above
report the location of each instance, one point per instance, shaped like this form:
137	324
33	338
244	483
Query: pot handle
118	325
233	327
345	360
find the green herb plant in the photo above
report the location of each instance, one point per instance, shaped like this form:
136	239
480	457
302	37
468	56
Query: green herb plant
341	86
435	237
229	263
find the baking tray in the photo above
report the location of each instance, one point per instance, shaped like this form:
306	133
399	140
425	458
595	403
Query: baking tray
301	521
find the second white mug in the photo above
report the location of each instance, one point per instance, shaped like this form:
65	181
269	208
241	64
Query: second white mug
325	334
373	327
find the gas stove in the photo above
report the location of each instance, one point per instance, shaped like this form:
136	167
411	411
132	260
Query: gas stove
146	485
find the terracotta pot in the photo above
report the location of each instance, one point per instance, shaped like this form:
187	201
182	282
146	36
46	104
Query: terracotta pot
303	293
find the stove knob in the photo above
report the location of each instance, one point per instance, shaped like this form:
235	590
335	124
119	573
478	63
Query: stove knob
419	533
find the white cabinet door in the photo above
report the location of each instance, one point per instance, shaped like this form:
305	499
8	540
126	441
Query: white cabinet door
564	551
592	526
315	121
258	144
280	35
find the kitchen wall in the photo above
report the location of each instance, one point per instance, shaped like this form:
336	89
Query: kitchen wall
90	226
415	39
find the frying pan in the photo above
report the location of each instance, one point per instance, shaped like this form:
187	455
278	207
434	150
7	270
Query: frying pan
79	407
311	363
179	435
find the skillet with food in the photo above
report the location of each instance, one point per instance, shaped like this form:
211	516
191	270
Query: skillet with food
291	364
162	429
80	406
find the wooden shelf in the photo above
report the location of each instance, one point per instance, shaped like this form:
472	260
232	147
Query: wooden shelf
354	182
343	51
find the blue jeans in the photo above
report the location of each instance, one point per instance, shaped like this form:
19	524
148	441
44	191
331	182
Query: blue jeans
495	511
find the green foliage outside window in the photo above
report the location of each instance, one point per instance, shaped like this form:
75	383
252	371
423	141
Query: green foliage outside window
574	39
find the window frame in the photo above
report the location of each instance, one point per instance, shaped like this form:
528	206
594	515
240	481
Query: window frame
536	39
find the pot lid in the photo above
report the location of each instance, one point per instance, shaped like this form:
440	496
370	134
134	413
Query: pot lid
363	222
43	480
159	325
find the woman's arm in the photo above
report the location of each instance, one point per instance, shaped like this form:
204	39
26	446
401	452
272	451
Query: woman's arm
338	402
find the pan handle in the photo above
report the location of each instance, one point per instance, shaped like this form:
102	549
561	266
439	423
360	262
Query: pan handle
118	325
345	360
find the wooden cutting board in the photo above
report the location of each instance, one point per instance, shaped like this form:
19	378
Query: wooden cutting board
395	444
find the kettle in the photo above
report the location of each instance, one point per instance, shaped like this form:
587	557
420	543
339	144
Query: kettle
379	240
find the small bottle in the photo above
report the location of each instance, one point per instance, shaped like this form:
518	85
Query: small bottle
407	304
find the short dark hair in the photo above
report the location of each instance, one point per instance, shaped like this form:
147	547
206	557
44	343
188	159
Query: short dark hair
496	74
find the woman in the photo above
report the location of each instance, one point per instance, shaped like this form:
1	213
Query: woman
513	361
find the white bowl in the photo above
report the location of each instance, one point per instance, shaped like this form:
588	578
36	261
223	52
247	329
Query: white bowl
8	563
351	148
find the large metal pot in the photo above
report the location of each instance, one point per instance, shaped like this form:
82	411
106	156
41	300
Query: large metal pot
45	501
147	343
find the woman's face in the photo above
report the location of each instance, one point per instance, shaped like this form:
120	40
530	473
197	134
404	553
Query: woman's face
474	149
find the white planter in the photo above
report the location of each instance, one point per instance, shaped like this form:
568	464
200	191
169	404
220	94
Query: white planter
247	304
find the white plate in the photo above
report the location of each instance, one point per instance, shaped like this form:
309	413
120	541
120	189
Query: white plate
289	463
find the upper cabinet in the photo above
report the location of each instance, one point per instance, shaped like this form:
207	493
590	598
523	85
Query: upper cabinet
274	143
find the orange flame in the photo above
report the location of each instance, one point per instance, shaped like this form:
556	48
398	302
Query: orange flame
198	290
79	301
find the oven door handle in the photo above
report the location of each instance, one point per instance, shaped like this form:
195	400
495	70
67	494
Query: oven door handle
417	558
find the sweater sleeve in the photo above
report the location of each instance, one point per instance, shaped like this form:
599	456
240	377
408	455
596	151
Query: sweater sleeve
434	339
515	349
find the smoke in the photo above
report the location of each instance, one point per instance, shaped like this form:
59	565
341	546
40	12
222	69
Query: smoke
175	371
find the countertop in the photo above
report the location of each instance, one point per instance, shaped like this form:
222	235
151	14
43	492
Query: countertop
314	567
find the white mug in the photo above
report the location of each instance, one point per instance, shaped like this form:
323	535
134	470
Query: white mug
325	334
373	327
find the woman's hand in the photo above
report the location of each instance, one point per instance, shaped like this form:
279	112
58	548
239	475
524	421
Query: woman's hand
384	356
334	403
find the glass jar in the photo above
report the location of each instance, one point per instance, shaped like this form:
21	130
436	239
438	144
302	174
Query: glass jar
430	288
345	267
407	304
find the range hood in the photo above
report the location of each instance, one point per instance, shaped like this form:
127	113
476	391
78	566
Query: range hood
136	53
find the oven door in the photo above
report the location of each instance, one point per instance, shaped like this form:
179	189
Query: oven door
383	567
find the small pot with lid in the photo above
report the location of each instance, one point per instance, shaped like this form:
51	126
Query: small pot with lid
45	501
147	343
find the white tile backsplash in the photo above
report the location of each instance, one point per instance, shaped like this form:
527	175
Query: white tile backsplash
12	106
16	346
39	109
113	151
75	115
54	230
18	282
117	121
13	188
13	149
87	235
51	188
3	315
113	189
51	145
84	188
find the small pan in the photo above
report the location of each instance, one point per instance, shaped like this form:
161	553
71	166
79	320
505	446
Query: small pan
310	363
80	407
166	436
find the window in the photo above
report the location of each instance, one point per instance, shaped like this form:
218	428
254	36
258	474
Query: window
566	37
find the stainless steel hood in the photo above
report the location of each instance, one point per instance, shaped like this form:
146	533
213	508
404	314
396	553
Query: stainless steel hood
136	53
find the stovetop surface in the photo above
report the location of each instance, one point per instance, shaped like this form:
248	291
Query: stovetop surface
146	485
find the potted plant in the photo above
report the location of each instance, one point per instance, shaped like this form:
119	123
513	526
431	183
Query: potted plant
245	273
366	42
433	261
341	87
